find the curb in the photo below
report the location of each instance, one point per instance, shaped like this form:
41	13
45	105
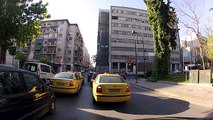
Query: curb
203	85
181	97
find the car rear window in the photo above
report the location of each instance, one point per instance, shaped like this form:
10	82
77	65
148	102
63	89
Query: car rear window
111	79
67	76
31	67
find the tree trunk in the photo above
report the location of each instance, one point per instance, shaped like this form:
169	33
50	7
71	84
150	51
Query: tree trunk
202	58
2	55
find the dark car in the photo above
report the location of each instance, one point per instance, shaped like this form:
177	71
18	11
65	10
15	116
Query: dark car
23	95
89	76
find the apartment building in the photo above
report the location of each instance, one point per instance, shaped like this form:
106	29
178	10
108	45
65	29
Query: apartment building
130	34
62	42
86	58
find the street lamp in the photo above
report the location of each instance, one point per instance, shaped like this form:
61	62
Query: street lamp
136	57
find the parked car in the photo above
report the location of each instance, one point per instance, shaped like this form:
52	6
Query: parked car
176	72
89	76
44	71
23	95
110	88
66	82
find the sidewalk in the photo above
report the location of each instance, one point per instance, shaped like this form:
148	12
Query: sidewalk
194	93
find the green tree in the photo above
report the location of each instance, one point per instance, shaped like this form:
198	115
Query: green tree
43	58
20	23
162	19
21	57
209	47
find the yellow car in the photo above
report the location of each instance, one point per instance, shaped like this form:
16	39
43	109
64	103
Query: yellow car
110	88
66	82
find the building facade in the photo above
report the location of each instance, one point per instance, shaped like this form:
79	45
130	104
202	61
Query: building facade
190	50
102	59
130	37
61	42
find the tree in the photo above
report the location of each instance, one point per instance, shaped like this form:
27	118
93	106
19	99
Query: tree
43	58
191	12
162	19
210	48
21	57
94	58
20	23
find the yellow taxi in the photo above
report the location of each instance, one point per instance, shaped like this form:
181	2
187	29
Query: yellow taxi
110	88
66	82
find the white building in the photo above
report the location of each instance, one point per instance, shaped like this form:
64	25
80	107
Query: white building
123	44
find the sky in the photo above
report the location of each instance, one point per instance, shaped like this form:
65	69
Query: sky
85	14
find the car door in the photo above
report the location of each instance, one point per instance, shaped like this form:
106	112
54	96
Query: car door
40	92
15	103
45	73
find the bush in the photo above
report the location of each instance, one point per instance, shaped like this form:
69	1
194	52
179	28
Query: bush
151	79
148	74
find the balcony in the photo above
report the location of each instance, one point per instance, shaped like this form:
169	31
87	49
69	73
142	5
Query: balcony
51	44
51	52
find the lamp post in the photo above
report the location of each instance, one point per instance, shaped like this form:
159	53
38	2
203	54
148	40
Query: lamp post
144	59
136	57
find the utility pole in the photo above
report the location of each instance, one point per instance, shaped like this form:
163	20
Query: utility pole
136	57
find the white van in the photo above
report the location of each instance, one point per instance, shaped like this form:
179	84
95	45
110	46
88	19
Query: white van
44	71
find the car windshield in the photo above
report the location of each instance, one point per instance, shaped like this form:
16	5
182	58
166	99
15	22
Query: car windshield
67	76
111	79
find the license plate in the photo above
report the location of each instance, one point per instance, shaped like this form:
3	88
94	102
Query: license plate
60	84
114	90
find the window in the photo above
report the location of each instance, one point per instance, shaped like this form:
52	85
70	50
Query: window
115	17
31	67
31	82
60	35
61	75
10	83
45	68
111	79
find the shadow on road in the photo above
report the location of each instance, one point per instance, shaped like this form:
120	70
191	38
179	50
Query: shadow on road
81	106
147	105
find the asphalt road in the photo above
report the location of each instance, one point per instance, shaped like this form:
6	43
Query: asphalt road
144	104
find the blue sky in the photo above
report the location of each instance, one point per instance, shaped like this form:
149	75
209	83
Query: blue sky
85	14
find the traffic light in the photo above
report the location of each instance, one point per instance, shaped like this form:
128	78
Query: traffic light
129	59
